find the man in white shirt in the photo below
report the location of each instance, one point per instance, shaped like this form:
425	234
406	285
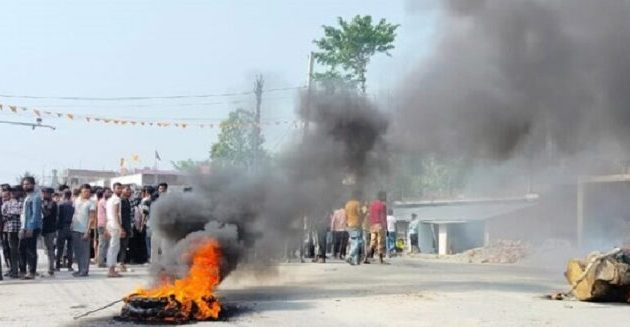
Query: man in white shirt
413	234
114	229
84	216
391	232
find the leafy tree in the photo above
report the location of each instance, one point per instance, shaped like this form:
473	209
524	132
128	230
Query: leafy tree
350	47
427	177
189	165
239	144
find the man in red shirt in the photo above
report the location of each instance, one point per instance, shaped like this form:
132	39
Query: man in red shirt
378	223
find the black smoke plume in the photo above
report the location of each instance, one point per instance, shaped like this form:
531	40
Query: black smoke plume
253	213
519	77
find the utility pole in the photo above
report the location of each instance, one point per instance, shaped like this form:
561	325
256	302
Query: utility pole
309	87
258	90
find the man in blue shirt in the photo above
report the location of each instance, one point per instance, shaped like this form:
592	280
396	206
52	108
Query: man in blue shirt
31	227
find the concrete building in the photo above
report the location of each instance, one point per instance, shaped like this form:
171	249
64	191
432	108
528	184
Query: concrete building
176	180
77	177
453	226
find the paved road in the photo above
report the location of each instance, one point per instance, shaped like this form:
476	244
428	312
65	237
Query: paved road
411	291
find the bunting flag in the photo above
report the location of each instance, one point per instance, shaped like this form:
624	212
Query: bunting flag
127	122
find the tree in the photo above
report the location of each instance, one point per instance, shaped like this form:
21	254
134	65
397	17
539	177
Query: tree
239	143
351	46
428	177
189	165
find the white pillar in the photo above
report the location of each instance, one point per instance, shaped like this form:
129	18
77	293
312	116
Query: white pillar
443	239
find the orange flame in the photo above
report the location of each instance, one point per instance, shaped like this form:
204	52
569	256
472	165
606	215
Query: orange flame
196	289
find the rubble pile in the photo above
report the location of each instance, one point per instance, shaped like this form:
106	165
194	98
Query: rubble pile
500	251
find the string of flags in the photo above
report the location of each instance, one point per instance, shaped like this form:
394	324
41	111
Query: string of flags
132	122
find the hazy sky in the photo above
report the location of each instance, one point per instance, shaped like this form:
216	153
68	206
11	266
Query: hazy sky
162	48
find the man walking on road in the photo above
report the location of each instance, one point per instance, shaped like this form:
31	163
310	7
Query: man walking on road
114	229
49	227
31	227
84	217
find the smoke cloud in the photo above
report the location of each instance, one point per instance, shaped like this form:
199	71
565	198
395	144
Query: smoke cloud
254	213
517	78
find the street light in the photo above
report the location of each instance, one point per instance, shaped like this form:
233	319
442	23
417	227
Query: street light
38	123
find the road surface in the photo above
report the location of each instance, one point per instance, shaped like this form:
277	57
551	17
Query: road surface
408	292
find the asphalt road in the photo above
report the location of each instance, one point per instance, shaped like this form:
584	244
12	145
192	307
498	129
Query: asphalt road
409	291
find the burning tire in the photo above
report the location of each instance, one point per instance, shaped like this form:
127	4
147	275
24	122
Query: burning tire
161	309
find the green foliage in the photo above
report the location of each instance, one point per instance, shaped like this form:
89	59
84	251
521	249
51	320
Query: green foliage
238	143
189	165
346	50
429	178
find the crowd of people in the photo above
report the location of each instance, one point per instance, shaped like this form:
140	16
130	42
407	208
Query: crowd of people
359	231
102	226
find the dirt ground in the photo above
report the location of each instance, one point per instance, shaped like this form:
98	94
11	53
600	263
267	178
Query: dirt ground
409	291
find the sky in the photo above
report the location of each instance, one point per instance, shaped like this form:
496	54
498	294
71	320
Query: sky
166	48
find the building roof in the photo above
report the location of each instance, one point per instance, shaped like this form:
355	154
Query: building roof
461	211
155	172
88	172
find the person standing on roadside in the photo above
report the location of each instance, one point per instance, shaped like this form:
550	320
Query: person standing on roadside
125	220
84	216
11	210
391	233
162	188
340	237
413	234
3	234
114	229
354	221
145	208
49	227
157	244
321	224
31	219
101	217
64	231
378	225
